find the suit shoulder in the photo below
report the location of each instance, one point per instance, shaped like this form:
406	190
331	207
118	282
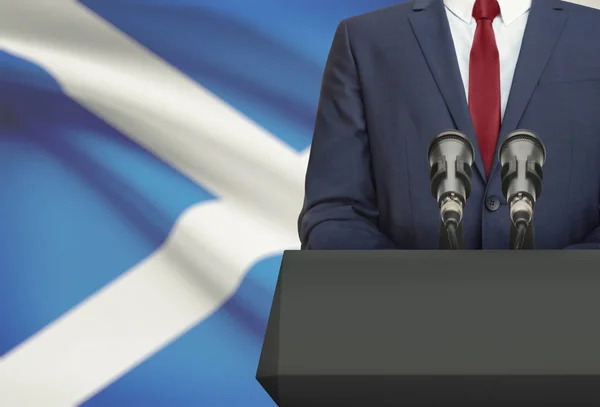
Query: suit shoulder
582	12
391	14
583	26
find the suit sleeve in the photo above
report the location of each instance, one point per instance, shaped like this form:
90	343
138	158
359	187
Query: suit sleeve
340	209
592	241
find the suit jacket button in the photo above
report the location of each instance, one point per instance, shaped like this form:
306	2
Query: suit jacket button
492	203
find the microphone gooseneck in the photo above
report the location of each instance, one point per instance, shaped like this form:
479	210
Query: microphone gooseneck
451	230
522	155
521	233
450	157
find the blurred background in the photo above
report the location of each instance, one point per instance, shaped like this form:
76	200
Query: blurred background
152	159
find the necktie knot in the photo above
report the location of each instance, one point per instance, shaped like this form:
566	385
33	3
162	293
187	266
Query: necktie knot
486	10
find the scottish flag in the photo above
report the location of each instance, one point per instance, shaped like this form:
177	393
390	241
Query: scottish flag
152	159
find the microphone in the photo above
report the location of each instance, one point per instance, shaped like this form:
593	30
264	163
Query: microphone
450	158
522	155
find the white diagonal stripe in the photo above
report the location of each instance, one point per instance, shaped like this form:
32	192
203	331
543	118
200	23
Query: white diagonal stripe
185	281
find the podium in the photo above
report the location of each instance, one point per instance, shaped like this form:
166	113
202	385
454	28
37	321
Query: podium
434	328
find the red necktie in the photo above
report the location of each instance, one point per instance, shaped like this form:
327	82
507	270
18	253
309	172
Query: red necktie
484	81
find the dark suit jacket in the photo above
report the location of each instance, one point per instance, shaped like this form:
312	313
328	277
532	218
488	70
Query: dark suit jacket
392	83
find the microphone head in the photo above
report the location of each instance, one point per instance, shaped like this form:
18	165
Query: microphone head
450	157
451	143
524	145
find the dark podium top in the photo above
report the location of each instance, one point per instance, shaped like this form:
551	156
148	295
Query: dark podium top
434	328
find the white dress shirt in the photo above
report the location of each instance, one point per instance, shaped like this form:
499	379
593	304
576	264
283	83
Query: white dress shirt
509	28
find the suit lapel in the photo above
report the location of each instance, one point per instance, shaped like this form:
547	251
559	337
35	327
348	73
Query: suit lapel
430	25
544	27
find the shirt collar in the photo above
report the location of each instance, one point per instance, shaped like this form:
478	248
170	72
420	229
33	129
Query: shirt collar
510	10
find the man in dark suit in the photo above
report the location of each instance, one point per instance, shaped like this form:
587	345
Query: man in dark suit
398	76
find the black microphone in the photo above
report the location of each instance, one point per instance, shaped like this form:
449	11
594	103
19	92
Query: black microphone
522	155
450	158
